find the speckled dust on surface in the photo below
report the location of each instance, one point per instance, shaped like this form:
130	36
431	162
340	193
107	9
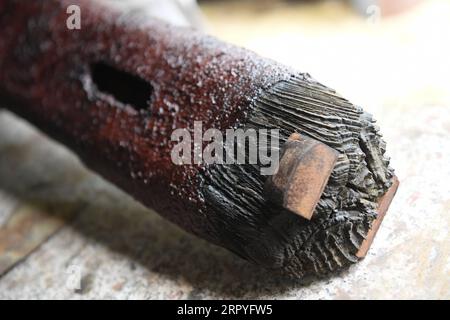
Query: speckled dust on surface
126	251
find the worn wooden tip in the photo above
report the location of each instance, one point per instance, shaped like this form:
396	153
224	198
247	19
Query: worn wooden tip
383	205
304	169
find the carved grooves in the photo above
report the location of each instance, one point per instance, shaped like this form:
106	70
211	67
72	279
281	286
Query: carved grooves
271	236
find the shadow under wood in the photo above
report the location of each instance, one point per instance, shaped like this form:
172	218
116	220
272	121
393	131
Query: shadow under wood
34	169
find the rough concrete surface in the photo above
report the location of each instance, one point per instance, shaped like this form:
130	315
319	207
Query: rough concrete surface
120	250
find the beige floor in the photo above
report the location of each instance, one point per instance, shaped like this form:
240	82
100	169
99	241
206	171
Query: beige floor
397	68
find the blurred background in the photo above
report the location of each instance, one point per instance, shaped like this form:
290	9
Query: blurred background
375	53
